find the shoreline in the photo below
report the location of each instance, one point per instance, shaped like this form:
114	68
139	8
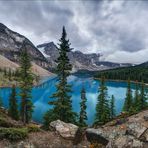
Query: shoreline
113	80
41	81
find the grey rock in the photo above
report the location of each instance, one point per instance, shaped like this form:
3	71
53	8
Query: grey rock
125	142
96	135
136	129
66	130
146	117
144	136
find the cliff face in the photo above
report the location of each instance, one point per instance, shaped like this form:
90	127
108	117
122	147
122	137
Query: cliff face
11	44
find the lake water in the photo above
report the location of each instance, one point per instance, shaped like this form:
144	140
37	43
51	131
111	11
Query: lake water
41	95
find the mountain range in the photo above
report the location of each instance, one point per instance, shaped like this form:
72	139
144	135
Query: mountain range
45	55
79	60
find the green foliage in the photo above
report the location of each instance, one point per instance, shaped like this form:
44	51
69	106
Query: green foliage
136	98
26	83
135	73
83	114
128	103
13	134
33	128
1	102
142	103
13	107
102	108
61	100
48	117
112	107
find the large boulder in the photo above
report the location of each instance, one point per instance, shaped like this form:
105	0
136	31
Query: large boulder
136	129
144	136
66	130
146	117
125	141
104	135
96	136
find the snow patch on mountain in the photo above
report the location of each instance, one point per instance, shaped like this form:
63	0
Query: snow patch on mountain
42	50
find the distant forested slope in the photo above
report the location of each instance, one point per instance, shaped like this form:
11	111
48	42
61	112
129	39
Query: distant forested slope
135	73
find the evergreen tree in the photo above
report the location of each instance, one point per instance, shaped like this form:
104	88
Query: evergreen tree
9	74
5	72
112	107
128	103
1	102
83	114
136	98
13	107
102	108
62	104
26	83
142	98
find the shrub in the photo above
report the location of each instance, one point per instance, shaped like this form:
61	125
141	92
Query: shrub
4	122
13	134
33	128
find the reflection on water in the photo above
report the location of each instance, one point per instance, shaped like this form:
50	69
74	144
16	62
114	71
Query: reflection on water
41	95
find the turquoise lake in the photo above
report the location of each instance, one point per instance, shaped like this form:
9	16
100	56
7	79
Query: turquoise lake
41	95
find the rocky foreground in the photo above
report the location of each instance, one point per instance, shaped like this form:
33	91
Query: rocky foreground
124	132
131	132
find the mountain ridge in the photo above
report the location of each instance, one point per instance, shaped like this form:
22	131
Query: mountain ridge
11	45
78	59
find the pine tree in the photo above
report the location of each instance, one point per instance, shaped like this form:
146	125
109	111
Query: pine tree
83	114
112	107
1	102
136	98
13	107
9	74
142	99
26	83
62	104
128	103
102	108
5	72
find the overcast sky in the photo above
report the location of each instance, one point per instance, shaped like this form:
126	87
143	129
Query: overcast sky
117	29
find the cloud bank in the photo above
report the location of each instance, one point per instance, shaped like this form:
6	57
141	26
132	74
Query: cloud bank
116	29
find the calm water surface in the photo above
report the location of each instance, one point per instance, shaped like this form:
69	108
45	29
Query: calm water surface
41	95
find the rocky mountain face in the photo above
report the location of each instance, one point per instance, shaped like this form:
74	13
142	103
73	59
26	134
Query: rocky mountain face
79	60
46	54
11	44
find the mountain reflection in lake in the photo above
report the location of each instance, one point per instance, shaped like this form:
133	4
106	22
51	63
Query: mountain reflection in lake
41	95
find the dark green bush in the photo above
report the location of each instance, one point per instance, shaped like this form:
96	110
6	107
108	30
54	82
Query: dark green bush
13	134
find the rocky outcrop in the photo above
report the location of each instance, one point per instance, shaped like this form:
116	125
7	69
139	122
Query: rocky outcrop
11	44
132	133
66	130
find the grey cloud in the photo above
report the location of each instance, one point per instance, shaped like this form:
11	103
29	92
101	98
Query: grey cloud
107	26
